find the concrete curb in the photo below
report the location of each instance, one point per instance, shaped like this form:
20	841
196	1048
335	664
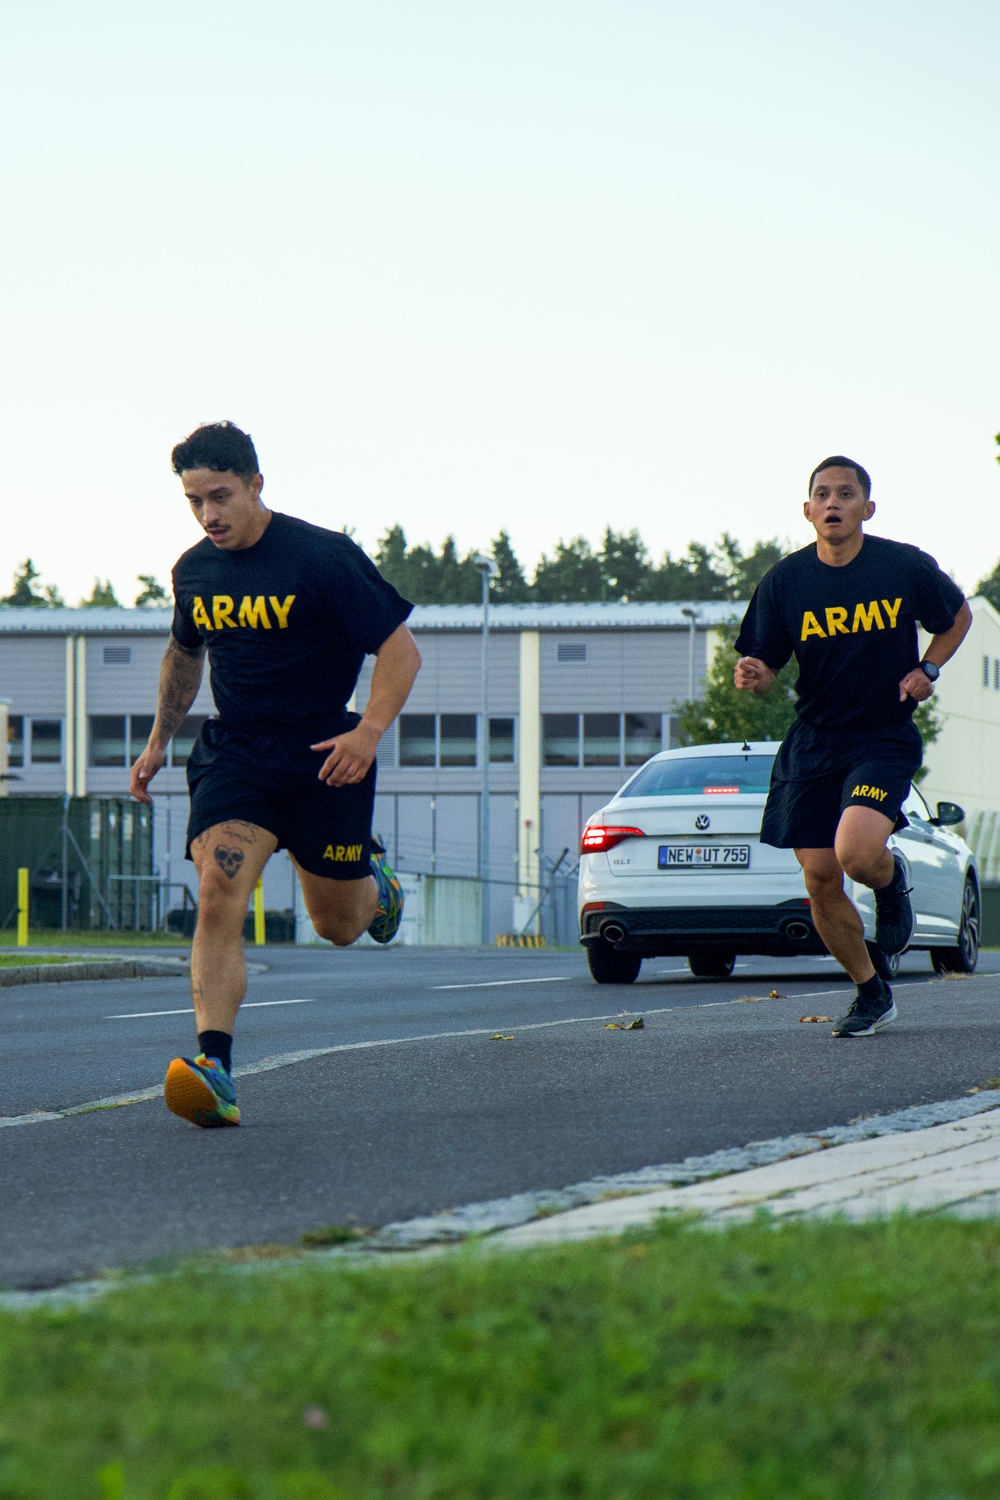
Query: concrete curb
953	1168
123	968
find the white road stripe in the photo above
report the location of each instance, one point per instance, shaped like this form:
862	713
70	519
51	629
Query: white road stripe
140	1015
499	984
287	1059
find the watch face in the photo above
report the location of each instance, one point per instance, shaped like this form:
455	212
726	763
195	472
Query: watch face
930	670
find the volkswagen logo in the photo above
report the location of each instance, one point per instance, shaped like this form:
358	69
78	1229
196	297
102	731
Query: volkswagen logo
702	821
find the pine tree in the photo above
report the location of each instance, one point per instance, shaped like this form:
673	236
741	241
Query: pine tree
573	576
153	594
24	594
102	596
510	585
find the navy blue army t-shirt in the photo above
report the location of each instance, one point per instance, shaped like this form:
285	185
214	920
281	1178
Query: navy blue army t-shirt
287	623
852	630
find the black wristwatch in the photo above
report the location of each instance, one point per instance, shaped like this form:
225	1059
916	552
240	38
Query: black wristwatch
931	670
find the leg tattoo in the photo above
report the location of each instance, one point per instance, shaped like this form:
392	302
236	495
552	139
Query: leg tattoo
228	860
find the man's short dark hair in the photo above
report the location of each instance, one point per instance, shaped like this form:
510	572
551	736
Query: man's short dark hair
838	461
221	446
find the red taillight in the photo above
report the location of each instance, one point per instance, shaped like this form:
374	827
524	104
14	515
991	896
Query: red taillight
598	839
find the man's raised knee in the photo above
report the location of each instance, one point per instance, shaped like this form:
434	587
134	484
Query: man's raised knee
337	930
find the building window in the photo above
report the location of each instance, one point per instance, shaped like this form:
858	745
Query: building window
140	727
108	740
600	739
571	651
986	671
643	737
117	740
502	742
33	742
996	674
561	739
45	742
117	656
452	741
15	741
417	740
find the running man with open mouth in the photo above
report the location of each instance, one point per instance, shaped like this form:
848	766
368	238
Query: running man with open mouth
847	607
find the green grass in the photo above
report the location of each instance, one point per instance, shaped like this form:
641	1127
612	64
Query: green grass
814	1362
51	937
12	961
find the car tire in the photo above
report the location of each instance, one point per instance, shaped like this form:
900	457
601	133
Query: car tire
608	966
963	958
712	963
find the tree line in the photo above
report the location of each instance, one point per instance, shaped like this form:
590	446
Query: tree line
29	593
618	571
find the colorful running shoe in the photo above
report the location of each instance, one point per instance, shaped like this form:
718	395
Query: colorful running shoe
201	1091
390	898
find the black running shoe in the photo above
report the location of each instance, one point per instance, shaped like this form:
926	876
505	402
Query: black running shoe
865	1017
886	965
893	912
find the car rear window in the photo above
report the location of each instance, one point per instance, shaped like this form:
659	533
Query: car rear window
693	775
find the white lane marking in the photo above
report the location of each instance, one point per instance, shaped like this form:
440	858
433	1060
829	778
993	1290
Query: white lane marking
287	1059
141	1015
499	984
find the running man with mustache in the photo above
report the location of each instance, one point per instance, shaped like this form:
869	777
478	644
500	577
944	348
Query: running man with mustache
286	612
847	607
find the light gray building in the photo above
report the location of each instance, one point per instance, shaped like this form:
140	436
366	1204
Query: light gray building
577	695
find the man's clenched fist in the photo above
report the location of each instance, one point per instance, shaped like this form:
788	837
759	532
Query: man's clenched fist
753	675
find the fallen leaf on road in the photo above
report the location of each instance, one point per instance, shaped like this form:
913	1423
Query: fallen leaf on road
815	1018
613	1026
775	995
637	1025
498	1036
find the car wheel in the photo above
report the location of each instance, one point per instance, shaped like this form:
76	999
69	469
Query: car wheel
711	963
610	967
963	958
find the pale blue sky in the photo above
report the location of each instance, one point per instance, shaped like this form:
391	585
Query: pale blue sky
541	264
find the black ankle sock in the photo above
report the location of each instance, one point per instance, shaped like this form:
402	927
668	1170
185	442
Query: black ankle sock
872	989
218	1044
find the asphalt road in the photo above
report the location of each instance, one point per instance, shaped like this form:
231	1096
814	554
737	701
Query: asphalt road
419	1110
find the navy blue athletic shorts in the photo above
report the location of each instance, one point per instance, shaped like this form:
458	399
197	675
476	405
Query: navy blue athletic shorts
234	777
819	772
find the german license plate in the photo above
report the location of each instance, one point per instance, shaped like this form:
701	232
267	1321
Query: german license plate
704	856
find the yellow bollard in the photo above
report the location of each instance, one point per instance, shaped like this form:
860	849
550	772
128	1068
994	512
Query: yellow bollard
22	908
258	913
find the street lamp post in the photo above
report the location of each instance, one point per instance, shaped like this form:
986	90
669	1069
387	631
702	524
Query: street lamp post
487	569
691	615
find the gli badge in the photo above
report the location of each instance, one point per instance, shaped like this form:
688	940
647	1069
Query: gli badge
702	821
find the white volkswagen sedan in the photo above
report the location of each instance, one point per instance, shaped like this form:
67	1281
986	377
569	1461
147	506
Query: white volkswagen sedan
674	865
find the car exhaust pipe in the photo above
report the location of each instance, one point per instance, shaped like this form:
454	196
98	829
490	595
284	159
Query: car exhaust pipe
798	932
613	932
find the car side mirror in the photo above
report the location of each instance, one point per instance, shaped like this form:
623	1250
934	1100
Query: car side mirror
947	814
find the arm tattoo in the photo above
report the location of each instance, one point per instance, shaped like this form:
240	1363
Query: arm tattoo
180	679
